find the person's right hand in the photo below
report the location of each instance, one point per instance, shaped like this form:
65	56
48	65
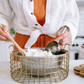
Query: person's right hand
3	33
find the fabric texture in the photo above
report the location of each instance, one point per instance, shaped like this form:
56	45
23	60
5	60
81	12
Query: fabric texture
42	40
40	11
58	14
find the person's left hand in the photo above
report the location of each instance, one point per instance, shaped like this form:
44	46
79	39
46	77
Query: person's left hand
64	38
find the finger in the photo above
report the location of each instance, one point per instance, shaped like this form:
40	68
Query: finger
6	38
62	36
64	43
12	36
65	39
3	38
2	33
5	28
58	34
9	37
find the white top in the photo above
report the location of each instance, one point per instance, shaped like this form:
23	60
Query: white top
58	13
71	79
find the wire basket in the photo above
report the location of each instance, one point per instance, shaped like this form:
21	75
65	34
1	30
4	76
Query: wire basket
39	70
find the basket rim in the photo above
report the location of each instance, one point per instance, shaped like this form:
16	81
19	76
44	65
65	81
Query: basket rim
66	52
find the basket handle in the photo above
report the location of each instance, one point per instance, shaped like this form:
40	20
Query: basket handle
68	45
64	47
10	47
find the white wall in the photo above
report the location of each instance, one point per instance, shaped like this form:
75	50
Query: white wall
80	4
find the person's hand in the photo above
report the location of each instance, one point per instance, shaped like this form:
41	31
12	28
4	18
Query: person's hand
64	38
3	33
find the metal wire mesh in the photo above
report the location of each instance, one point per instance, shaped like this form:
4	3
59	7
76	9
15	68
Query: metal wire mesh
39	70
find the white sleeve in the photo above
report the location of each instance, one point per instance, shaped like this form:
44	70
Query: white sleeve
72	19
6	16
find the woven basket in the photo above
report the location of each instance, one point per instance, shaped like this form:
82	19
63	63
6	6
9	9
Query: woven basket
39	69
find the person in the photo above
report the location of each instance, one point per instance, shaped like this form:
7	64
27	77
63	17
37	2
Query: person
38	22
